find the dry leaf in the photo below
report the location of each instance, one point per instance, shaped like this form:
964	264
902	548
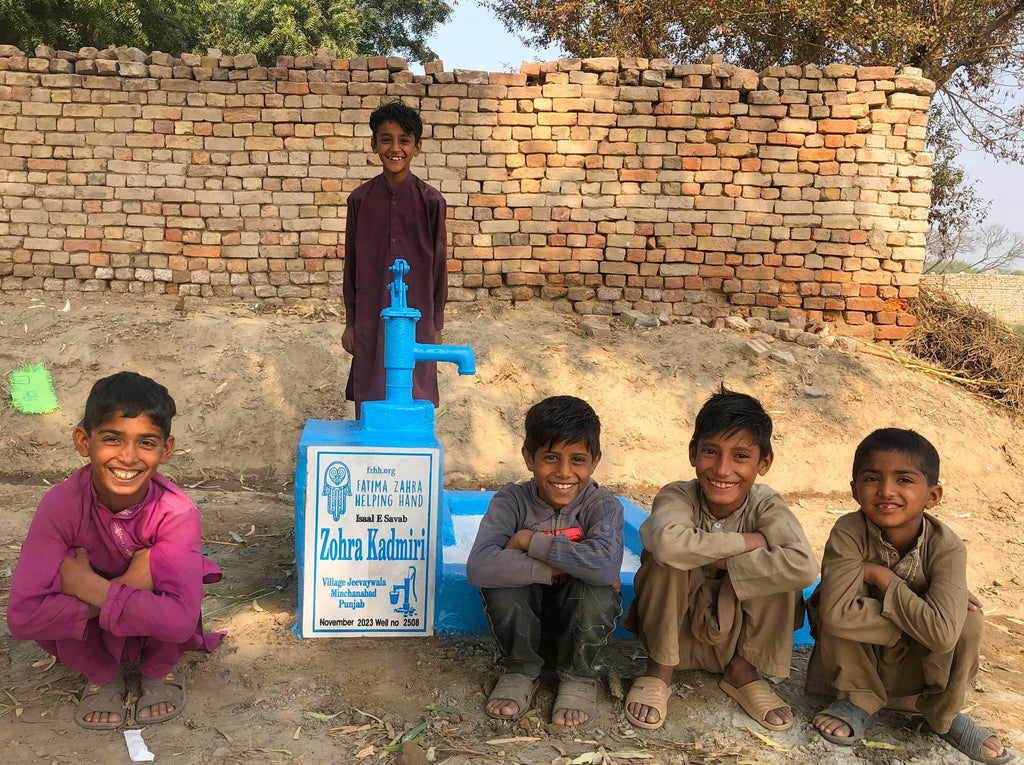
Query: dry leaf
365	752
345	730
515	739
318	715
295	735
47	664
773	744
881	745
257	607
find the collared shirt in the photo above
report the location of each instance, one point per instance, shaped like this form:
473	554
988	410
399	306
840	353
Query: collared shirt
70	515
683	533
926	602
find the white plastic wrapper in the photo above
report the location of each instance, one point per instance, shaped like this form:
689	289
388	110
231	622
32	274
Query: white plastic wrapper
137	748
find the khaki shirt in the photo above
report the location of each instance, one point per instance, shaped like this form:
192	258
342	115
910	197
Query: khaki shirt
682	533
927	601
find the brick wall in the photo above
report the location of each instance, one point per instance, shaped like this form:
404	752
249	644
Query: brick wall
698	189
1001	295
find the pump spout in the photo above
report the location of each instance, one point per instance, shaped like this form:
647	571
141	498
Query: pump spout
460	355
398	410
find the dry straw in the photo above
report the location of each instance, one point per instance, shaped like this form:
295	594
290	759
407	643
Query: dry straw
972	347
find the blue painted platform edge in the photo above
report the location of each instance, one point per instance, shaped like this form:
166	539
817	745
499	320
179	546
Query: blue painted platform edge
458	607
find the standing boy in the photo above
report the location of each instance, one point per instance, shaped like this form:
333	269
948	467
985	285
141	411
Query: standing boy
546	559
893	617
111	570
722	572
395	215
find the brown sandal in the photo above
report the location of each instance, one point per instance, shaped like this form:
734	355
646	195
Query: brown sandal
757	699
653	693
107	698
168	689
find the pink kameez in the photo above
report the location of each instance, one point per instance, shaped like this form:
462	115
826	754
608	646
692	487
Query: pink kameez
155	627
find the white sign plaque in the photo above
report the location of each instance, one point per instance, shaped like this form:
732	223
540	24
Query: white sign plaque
370	537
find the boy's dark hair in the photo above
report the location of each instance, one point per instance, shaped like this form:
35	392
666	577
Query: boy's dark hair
729	412
403	116
905	442
129	395
562	420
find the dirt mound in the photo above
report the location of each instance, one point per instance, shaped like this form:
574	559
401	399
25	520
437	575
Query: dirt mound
246	379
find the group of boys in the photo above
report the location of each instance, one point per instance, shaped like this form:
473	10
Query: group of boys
721	580
112	571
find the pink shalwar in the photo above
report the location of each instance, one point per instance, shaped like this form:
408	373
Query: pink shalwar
154	627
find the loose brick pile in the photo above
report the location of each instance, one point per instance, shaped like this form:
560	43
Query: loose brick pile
701	190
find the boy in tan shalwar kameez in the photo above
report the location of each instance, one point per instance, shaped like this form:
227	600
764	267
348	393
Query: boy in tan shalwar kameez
893	617
722	572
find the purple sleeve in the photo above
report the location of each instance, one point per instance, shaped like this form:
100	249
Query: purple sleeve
37	609
348	285
489	563
171	612
440	264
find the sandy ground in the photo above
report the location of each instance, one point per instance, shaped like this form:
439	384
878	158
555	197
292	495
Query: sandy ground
246	377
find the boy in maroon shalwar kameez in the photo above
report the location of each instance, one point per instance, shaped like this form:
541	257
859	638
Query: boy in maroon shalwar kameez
395	215
111	570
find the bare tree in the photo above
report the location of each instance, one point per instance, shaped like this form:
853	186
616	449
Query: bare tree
987	248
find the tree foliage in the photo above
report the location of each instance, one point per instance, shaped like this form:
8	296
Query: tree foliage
169	25
266	27
349	27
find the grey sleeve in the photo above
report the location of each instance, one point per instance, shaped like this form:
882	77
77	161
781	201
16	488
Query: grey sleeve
489	563
595	559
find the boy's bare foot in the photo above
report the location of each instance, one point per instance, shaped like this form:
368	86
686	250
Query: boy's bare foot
502	708
842	722
102	706
575	704
162	698
644	713
511	696
740	672
570	718
978	743
832	726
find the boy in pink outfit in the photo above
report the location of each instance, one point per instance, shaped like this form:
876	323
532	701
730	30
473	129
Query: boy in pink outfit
111	570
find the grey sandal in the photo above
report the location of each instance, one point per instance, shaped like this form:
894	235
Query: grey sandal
516	688
107	698
851	714
972	736
578	695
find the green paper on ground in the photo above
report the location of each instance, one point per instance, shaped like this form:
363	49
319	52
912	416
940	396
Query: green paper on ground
32	390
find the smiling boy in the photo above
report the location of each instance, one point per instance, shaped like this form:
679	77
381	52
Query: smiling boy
546	559
395	215
722	572
111	570
893	617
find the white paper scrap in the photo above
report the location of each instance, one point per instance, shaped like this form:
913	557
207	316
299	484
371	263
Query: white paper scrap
137	749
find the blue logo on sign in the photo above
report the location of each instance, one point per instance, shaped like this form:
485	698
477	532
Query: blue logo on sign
337	486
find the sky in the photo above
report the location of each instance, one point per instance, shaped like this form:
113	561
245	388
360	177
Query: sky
475	39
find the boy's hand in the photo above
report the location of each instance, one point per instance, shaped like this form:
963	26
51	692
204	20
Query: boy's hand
877	575
348	340
520	540
78	580
754	540
973	604
73	569
139	576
